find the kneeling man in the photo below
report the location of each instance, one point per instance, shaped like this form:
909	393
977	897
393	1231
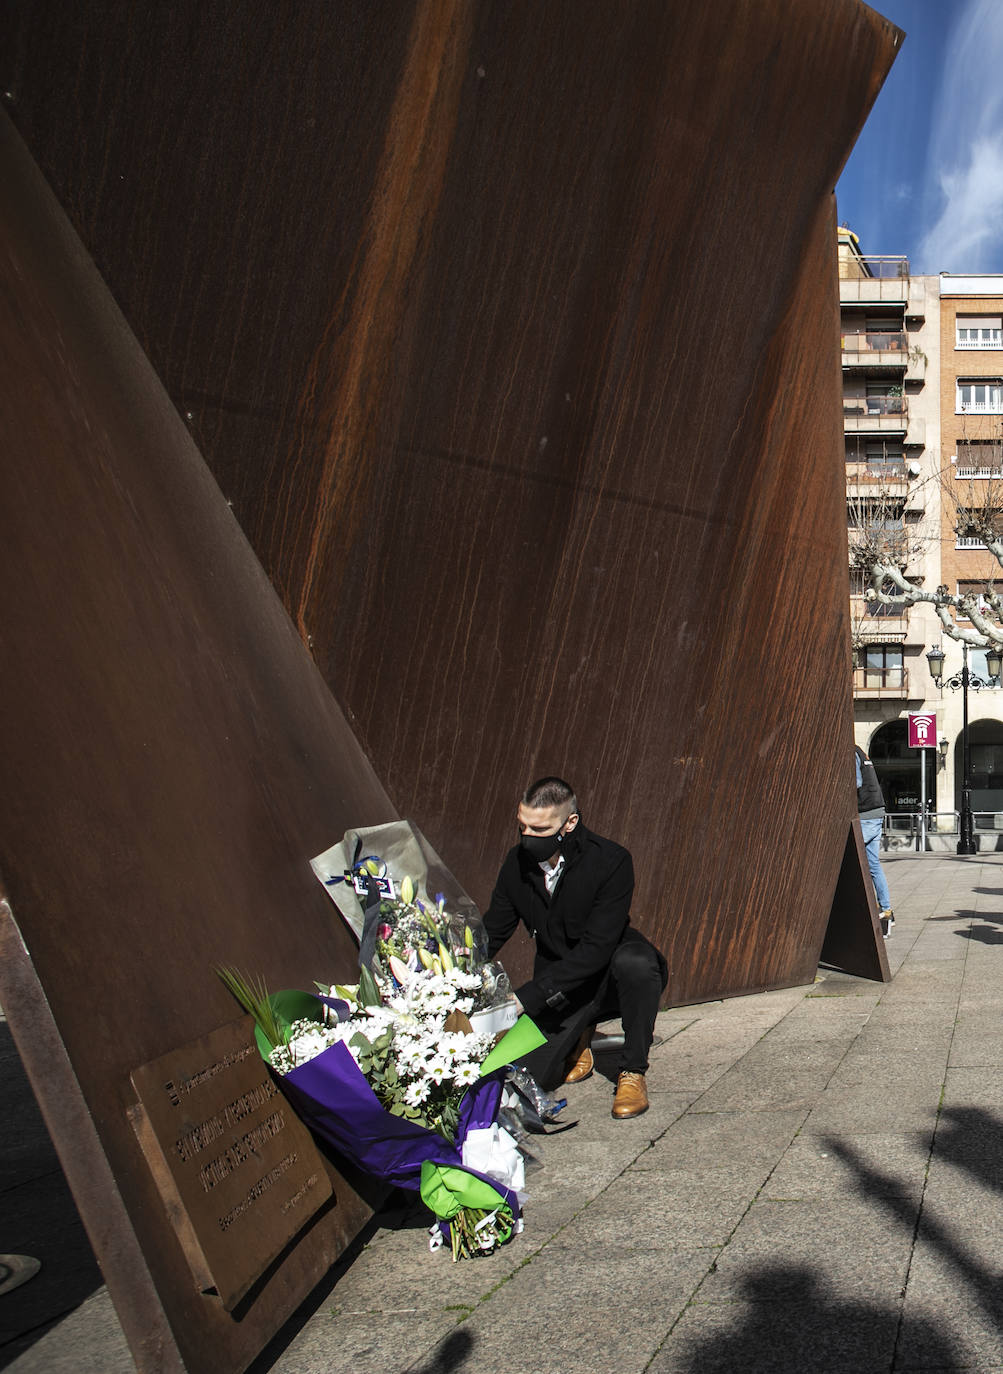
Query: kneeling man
571	889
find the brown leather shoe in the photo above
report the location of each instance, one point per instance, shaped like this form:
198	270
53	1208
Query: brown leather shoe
581	1068
631	1095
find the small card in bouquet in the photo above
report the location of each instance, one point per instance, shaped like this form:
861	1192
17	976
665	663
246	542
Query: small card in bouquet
385	885
387	853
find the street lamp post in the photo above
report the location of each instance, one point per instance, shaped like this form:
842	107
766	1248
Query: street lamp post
962	681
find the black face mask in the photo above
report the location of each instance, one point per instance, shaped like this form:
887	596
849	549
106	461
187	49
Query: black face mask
541	847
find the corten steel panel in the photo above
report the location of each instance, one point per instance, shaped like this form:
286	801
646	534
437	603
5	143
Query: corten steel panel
853	940
511	332
171	759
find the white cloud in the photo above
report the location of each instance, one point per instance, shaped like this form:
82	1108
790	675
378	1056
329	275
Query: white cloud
966	153
968	236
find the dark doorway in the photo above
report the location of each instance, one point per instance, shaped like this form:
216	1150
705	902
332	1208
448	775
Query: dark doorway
985	739
897	767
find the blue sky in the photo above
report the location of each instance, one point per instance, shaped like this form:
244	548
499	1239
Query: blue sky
926	176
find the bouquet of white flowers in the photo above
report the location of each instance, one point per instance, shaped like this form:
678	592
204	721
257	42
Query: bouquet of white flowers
390	1073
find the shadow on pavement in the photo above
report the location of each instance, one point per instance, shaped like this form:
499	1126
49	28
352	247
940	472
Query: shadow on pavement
450	1354
987	934
793	1323
972	1140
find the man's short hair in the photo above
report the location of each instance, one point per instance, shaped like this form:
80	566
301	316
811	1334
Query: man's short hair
551	792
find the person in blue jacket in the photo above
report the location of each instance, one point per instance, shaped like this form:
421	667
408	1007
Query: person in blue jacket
871	806
572	890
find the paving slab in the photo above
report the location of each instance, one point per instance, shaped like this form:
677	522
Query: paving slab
809	1330
969	1329
811	1168
861	1248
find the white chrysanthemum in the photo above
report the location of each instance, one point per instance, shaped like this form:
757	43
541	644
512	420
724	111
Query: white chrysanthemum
465	1074
437	1070
307	1039
467	982
413	1059
417	1093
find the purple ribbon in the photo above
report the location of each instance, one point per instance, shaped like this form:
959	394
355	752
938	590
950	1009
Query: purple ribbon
333	1097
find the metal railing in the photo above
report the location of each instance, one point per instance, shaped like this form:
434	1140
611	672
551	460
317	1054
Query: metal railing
978	338
854	267
878	342
890	680
890	470
875	405
901	828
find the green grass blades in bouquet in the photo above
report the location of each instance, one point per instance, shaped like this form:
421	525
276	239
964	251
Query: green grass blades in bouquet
473	1213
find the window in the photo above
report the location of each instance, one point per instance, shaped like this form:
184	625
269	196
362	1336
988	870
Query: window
980	397
987	759
860	584
867	514
976	589
979	458
882	667
885	460
979	331
885	398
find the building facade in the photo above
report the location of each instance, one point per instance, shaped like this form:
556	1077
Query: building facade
922	362
971	403
890	349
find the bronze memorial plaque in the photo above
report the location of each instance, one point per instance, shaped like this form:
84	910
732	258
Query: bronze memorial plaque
238	1171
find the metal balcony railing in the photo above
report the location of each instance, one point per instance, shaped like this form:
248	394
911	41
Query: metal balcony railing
875	405
857	470
888	681
881	266
979	338
875	343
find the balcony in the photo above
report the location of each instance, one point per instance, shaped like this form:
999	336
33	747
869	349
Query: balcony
984	473
875	414
878	281
987	337
889	477
874	683
870	350
868	268
876	623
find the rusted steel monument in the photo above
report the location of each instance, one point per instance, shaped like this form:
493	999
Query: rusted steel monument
401	401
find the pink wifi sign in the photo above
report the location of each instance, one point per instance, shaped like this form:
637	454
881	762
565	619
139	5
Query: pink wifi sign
922	731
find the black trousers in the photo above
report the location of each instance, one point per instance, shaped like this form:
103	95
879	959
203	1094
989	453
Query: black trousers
630	988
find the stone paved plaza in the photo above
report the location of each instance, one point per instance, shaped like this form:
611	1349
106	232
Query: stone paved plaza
815	1187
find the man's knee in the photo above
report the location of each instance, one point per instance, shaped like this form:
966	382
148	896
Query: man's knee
637	964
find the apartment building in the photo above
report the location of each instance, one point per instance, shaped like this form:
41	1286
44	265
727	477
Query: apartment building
971	399
891	360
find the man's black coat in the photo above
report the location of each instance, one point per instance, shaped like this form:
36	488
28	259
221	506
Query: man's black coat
576	930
